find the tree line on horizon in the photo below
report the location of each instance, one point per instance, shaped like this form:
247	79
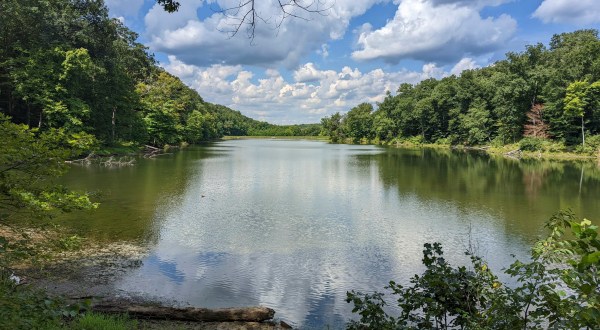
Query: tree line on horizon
544	92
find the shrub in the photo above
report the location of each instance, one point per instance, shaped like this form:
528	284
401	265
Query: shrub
558	289
531	144
592	145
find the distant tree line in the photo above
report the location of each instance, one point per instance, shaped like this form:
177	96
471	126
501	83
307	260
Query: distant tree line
543	92
266	129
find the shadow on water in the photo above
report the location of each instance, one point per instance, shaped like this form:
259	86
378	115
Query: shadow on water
523	193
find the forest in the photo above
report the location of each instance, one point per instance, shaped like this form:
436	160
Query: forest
66	64
544	94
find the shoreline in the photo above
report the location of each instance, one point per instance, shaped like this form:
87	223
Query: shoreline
87	274
503	151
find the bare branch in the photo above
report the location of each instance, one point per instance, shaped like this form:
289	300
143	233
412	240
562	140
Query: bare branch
245	14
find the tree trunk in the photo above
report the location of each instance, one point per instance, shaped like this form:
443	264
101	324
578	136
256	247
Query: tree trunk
28	114
582	133
113	123
248	314
11	103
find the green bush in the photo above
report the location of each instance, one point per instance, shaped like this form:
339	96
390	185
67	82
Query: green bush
531	144
415	140
25	308
443	141
554	146
557	289
592	145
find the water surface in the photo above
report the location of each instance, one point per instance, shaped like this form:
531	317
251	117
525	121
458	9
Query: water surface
293	225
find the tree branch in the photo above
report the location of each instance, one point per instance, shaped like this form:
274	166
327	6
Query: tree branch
250	17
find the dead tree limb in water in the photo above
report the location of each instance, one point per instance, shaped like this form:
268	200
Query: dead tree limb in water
83	161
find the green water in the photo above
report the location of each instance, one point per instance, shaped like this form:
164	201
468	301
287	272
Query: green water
293	225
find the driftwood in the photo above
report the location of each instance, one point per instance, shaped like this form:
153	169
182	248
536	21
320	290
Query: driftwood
247	314
109	162
113	162
151	147
152	152
456	147
516	154
83	161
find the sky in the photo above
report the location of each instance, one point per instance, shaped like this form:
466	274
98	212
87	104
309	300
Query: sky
340	53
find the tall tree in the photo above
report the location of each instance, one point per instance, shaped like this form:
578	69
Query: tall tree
358	122
576	102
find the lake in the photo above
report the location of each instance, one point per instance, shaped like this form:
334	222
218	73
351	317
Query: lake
293	225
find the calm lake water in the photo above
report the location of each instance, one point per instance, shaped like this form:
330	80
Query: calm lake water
293	225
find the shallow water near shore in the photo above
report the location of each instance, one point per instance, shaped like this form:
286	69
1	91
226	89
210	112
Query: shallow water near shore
293	225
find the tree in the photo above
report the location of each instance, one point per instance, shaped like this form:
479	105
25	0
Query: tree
536	127
28	163
332	127
472	127
358	122
576	102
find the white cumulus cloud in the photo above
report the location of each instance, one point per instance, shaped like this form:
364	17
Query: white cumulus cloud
435	31
466	63
578	12
204	42
308	96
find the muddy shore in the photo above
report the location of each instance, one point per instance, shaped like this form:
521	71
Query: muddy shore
88	273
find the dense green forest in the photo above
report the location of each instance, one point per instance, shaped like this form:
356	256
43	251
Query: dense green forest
545	92
65	64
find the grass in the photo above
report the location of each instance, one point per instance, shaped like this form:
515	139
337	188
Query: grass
102	322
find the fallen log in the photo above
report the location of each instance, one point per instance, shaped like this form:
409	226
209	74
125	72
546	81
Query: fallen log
247	314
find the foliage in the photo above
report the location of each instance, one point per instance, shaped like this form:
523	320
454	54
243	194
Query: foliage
530	144
332	127
22	307
29	162
266	129
358	121
531	93
558	288
66	64
592	145
536	126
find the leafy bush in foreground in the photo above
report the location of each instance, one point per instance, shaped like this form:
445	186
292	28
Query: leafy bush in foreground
559	288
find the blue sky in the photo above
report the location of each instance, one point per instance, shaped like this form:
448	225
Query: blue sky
352	52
